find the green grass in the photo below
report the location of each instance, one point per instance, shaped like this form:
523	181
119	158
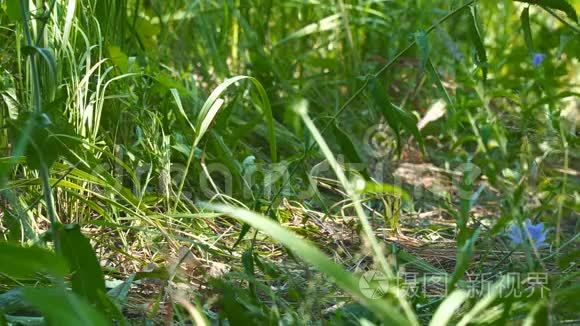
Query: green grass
293	162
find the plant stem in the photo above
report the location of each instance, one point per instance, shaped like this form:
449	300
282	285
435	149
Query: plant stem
36	97
551	12
44	172
349	187
562	197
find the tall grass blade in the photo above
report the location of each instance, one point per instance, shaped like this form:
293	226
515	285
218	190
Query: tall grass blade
314	257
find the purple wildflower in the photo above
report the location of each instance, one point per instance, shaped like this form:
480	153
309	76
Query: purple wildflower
518	235
537	59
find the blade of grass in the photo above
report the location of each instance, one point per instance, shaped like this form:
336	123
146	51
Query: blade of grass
478	42
208	113
448	308
314	257
489	297
350	189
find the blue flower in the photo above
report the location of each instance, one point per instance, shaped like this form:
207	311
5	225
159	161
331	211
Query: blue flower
518	235
537	59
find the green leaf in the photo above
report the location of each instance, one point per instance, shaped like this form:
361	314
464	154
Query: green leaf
121	291
466	196
226	156
267	268
328	23
418	262
61	307
147	33
396	117
232	300
388	109
214	103
166	82
47	137
87	277
248	262
11	101
383	188
464	256
312	255
448	308
177	99
478	42
561	5
348	149
48	56
480	307
14	230
159	272
538	315
245	229
13	10
110	308
423	45
525	20
24	262
119	58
